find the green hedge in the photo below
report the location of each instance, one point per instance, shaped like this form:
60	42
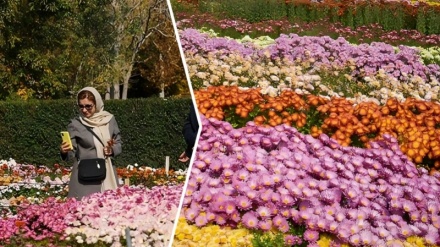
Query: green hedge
150	128
390	15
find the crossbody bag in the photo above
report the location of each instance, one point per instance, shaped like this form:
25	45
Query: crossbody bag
92	170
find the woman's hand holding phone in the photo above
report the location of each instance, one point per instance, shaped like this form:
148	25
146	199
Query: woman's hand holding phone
65	147
66	144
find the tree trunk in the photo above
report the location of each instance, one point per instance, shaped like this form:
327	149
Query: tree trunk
116	91
107	93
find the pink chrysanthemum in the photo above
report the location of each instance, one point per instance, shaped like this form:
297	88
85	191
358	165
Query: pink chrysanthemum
252	183
219	197
275	197
284	227
343	234
352	213
220	219
229	207
333	226
297	192
218	207
267	180
366	237
210	216
285	212
278	220
294	214
266	195
405	231
311	236
235	216
243	175
287	200
340	216
290	240
263	212
250	220
305	215
207	196
191	214
322	224
250	167
265	225
312	223
201	220
408	206
214	182
243	202
277	178
424	217
228	173
252	194
215	166
199	164
382	232
355	239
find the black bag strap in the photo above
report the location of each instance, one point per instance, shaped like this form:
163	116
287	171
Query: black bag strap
93	133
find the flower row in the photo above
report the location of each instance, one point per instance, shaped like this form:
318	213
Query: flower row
430	55
363	34
321	52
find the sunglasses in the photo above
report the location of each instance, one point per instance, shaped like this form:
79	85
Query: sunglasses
88	107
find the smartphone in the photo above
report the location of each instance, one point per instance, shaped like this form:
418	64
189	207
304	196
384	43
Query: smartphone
66	138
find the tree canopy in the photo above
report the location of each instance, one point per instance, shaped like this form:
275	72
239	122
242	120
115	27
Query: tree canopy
49	49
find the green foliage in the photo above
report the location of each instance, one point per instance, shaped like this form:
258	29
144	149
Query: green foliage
49	49
421	21
276	239
348	18
268	240
433	22
430	55
251	10
151	129
390	15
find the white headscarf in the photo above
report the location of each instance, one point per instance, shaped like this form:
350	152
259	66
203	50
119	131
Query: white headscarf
99	122
100	117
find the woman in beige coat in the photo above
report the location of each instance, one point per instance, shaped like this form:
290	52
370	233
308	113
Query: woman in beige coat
92	117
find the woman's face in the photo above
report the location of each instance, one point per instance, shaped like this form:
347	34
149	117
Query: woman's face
87	107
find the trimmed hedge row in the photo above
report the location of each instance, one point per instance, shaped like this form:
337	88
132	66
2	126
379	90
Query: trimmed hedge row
151	129
390	15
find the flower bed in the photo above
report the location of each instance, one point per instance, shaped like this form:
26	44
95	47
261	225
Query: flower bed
42	216
272	177
312	141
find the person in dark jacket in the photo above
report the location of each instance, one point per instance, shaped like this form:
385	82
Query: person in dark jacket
190	129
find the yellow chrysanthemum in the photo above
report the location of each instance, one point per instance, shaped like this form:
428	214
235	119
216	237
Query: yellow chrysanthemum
416	241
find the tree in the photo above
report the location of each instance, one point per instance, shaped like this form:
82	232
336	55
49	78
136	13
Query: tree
51	48
27	68
134	21
160	63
